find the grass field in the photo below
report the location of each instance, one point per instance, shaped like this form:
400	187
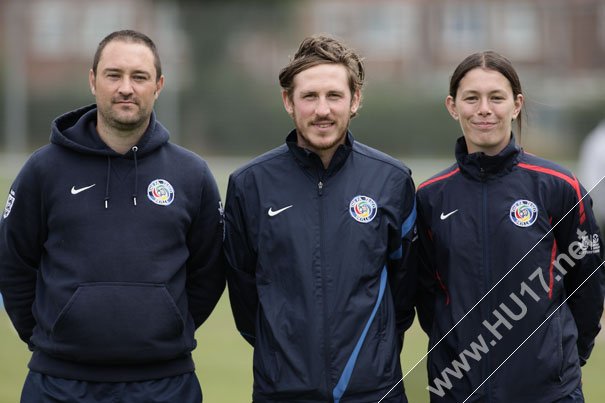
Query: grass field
223	358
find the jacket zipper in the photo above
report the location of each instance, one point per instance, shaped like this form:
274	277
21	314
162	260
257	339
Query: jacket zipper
487	279
329	386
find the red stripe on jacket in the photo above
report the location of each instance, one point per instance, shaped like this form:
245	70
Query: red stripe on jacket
572	181
447	175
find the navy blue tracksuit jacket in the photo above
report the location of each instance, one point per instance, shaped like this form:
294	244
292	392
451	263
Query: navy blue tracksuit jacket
318	283
507	240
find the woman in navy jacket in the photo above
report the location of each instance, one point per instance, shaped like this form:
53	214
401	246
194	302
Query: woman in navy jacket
511	283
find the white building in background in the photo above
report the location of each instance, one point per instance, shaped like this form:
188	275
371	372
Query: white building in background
565	35
405	38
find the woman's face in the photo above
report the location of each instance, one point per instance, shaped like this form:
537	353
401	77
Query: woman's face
485	107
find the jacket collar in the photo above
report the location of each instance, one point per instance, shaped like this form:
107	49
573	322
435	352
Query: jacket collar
311	161
481	166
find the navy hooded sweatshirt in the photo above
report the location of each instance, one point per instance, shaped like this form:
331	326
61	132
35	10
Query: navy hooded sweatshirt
109	262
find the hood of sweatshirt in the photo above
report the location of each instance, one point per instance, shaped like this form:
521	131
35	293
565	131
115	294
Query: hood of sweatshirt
77	131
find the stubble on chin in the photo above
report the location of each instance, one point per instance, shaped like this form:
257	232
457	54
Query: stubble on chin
129	119
319	143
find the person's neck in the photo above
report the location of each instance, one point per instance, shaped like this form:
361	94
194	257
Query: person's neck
326	156
121	141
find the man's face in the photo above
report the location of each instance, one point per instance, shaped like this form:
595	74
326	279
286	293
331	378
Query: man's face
321	107
125	86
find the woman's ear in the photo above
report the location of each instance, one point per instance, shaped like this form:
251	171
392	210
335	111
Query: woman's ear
519	100
450	104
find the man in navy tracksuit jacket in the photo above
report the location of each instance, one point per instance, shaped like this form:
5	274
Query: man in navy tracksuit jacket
110	260
467	219
317	238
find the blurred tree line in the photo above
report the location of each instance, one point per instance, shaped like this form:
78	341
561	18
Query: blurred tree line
223	109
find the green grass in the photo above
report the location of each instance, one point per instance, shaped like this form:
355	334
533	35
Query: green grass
224	359
224	362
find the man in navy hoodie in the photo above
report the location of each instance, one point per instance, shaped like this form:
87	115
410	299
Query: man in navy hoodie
110	245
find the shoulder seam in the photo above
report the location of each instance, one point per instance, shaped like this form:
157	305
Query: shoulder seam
257	161
399	165
439	178
571	180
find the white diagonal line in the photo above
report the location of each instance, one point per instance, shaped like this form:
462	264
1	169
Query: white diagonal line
532	333
490	290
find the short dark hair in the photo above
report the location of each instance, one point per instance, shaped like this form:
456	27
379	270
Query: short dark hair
128	35
489	60
319	49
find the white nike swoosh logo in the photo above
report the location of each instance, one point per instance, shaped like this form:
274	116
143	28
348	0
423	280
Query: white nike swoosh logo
75	191
276	212
444	216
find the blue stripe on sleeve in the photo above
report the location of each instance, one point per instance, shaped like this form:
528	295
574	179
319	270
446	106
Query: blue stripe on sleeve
407	225
396	254
409	222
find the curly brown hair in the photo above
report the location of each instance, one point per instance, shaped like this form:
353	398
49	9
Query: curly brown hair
319	49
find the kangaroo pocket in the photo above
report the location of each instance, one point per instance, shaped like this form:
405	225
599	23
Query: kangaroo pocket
119	322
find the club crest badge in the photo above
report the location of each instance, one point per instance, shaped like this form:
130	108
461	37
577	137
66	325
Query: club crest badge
9	203
523	213
161	192
363	209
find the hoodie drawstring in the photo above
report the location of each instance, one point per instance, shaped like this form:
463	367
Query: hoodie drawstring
107	184
136	177
136	174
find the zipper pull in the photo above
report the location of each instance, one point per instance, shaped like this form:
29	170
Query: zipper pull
482	174
320	187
